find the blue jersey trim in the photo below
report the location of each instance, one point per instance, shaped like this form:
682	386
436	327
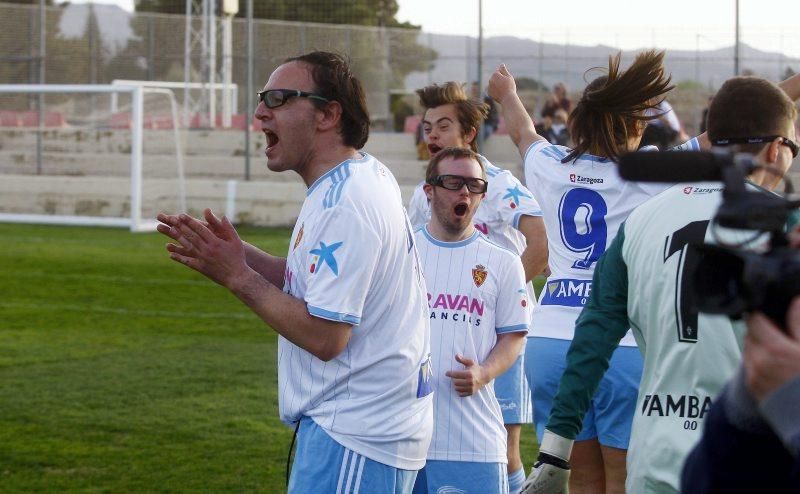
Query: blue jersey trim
491	170
451	245
518	216
519	328
536	143
329	173
553	152
334	316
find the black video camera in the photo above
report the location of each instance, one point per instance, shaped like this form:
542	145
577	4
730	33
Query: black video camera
729	279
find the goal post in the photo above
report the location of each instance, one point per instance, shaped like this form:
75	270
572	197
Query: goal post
75	170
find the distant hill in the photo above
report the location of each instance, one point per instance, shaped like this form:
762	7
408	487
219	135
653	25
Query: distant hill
552	63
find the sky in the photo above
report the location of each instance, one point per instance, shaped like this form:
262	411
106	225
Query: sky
627	24
677	24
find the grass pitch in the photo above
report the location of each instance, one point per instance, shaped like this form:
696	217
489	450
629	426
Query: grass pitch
123	371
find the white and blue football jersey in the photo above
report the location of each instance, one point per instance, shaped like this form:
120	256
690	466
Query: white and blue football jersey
583	202
352	258
476	290
498	215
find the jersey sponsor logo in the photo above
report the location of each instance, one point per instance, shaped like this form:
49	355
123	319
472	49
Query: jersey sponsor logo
567	292
456	302
689	190
683	406
424	387
479	274
458	308
323	256
578	179
514	195
523	293
299	236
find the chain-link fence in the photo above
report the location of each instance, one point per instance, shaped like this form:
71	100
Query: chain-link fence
97	43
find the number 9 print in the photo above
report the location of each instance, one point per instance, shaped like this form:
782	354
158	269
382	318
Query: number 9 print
582	217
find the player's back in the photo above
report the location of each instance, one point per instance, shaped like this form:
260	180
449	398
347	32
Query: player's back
688	357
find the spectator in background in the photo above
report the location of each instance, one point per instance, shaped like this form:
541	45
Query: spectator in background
492	119
558	131
665	130
557	100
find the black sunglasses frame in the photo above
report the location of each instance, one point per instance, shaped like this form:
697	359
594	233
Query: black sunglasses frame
439	181
793	146
286	95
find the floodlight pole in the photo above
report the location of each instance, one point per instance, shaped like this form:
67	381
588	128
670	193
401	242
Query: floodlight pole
480	69
736	44
40	99
249	96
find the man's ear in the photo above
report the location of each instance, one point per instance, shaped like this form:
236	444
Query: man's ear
773	150
329	116
428	189
470	135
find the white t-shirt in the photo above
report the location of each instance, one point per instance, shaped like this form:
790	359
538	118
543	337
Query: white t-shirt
498	215
352	258
476	290
583	202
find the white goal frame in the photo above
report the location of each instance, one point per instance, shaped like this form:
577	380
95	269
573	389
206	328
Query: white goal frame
135	222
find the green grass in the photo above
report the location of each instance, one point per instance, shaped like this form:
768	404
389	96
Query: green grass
122	371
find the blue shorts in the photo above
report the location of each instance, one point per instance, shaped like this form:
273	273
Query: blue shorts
513	394
611	411
323	465
457	477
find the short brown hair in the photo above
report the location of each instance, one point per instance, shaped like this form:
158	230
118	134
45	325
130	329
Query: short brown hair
334	81
455	153
613	106
470	112
747	106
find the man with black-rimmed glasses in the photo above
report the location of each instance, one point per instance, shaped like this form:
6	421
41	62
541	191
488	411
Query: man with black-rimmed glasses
479	312
348	301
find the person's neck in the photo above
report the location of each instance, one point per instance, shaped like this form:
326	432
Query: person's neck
443	235
320	163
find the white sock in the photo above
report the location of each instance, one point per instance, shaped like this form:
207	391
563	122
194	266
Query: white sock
515	481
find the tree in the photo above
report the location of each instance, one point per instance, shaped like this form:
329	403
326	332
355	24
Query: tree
374	53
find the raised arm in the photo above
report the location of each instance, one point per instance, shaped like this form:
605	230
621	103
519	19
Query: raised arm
503	89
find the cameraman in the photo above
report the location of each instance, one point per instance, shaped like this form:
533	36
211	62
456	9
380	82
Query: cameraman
751	441
639	283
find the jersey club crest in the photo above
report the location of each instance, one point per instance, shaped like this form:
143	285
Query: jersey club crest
479	274
299	236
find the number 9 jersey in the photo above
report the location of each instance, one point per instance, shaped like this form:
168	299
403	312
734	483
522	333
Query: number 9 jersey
583	202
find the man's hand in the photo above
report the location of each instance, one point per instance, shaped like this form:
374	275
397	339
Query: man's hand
501	84
550	474
771	358
470	380
213	248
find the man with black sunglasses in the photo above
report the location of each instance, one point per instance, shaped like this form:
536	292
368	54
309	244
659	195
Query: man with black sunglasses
641	283
509	216
348	302
479	314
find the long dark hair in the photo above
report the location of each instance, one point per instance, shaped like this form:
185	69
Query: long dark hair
612	107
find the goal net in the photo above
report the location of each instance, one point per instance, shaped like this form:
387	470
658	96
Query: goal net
104	155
